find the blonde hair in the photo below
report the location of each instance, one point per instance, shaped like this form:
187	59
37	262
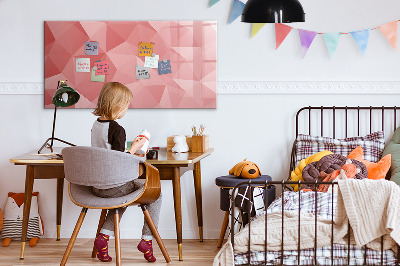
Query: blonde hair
113	97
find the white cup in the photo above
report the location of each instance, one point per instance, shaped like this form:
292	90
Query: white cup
144	134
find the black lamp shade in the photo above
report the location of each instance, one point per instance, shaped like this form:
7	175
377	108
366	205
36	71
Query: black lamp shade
65	96
273	11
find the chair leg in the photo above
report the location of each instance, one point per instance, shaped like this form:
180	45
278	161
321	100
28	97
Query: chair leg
154	230
73	237
223	229
117	239
101	222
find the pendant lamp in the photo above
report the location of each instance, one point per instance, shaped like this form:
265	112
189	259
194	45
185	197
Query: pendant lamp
64	96
272	11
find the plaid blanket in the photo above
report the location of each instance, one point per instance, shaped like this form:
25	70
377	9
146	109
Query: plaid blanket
322	204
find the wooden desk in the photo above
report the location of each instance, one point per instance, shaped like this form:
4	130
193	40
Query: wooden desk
168	164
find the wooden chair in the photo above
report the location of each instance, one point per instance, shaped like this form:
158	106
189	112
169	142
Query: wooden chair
85	167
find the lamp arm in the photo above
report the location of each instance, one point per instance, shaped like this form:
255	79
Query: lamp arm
54	126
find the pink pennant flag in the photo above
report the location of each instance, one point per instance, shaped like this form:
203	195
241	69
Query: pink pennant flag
281	31
306	39
389	30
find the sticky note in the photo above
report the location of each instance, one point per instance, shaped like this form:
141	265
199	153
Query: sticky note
164	67
97	78
102	67
151	61
142	72
82	64
91	48
145	48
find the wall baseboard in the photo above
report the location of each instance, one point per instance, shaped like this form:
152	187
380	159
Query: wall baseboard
259	87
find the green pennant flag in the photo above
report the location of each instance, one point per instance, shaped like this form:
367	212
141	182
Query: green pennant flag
213	2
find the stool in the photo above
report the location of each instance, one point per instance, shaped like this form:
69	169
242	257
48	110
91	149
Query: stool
228	182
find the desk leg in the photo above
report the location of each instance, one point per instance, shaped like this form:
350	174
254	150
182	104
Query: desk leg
60	190
176	182
27	206
197	189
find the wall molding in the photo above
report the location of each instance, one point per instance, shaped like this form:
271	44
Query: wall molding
259	87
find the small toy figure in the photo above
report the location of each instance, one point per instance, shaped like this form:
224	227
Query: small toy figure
180	144
13	215
245	169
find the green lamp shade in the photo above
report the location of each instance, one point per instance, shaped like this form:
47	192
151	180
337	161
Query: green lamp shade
65	96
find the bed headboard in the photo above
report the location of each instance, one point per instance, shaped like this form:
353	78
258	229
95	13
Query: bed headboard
344	121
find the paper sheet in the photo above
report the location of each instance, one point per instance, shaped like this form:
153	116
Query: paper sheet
82	64
91	48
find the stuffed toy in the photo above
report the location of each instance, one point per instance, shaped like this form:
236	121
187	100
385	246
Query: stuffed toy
13	215
180	144
296	174
245	169
375	170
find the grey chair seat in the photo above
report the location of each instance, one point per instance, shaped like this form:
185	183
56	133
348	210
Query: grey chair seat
83	196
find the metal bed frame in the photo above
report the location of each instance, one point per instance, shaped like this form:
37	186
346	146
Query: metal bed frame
284	184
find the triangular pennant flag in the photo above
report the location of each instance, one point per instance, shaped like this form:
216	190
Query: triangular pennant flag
332	41
361	37
237	9
306	38
255	28
390	32
213	2
281	31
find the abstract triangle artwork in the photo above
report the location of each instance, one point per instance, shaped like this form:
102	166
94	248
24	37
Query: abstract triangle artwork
189	47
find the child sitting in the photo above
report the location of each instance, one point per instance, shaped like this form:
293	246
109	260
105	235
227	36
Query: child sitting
106	133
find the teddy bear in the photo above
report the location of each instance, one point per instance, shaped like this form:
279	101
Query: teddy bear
245	169
180	144
13	215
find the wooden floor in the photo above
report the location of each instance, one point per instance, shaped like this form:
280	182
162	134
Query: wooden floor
50	252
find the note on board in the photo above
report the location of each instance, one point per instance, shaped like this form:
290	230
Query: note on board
151	61
142	72
92	48
145	48
82	64
102	67
97	78
164	67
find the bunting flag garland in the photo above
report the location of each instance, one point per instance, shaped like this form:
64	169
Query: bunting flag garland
281	31
306	39
389	30
256	27
213	2
361	37
332	41
237	9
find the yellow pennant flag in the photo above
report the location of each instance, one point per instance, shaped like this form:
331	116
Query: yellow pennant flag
255	28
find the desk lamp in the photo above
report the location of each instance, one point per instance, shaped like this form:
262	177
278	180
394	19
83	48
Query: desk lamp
63	97
272	11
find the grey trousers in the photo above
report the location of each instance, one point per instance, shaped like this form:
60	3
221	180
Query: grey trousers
153	208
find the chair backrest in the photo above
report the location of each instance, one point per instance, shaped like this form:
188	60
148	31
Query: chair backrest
92	166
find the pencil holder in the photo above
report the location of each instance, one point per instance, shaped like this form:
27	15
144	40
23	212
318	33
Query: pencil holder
200	143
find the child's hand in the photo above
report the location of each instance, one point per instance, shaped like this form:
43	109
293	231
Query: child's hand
137	144
142	155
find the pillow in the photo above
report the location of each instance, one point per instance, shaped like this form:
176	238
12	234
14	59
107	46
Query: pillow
372	144
393	148
375	170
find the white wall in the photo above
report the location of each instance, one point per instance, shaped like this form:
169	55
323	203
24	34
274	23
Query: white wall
258	127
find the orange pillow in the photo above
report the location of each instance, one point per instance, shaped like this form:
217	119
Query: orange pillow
375	170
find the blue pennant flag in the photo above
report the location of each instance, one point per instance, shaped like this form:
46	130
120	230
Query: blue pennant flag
332	41
213	2
361	38
237	9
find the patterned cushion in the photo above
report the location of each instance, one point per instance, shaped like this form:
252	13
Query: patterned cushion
372	144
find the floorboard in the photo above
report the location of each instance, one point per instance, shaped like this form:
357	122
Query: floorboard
50	252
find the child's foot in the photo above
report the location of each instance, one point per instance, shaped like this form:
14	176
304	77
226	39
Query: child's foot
146	247
101	245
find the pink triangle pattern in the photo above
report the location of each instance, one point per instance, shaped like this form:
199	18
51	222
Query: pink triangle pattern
189	45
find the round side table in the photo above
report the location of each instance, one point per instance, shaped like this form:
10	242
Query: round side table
228	182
